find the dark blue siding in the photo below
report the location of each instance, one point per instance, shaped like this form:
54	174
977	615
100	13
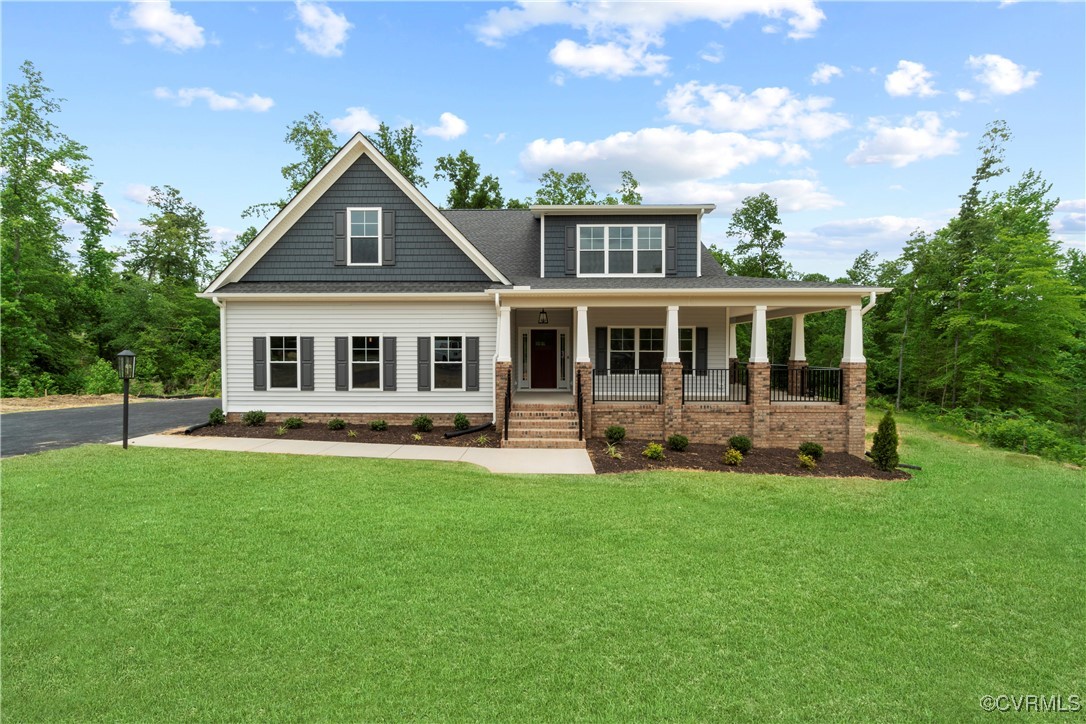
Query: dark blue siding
686	239
306	254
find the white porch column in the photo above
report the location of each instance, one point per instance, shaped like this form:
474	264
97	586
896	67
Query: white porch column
798	353
671	335
733	346
854	335
505	335
729	352
759	347
582	336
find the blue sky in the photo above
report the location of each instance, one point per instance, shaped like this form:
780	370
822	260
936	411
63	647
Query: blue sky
861	118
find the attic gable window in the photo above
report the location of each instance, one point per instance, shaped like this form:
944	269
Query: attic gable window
364	237
620	250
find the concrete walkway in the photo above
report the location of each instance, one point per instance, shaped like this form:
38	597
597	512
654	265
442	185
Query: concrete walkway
496	460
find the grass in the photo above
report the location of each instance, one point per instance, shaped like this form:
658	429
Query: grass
173	584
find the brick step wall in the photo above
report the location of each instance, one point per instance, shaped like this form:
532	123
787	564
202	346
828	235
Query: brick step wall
543	426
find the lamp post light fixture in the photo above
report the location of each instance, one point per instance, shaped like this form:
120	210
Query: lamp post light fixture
126	368
543	318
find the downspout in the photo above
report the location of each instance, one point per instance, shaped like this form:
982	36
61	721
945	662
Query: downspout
494	362
222	349
870	304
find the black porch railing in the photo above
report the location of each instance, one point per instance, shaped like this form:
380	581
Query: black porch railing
716	385
805	384
626	386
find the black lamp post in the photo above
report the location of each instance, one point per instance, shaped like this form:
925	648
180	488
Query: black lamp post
126	368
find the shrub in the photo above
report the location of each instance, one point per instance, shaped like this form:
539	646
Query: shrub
613	451
337	423
884	446
741	443
482	440
678	443
101	378
252	418
142	388
732	456
422	423
378	425
615	434
217	417
281	430
25	388
293	423
807	462
352	433
653	451
416	437
812	449
461	421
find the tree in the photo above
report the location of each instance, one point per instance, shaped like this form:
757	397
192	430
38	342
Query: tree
316	142
468	190
884	445
758	252
401	148
628	194
557	188
175	245
96	276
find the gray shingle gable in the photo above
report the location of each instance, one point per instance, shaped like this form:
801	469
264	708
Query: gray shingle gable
305	252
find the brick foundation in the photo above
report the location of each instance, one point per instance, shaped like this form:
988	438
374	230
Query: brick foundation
501	383
361	418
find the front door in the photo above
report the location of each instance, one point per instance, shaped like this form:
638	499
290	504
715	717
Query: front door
544	359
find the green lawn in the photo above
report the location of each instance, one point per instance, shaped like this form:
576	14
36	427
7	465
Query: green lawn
163	584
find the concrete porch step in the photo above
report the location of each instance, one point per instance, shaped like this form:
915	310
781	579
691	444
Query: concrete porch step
532	414
548	443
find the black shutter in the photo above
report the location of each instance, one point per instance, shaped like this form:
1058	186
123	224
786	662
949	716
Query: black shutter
601	349
307	363
260	368
670	264
424	364
342	345
571	251
389	344
388	238
701	350
471	371
341	238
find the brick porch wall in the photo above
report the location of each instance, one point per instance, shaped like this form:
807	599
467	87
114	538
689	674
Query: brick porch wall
501	382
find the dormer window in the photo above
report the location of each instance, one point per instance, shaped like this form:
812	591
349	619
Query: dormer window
364	242
604	250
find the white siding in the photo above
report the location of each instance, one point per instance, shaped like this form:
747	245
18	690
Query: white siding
711	317
324	321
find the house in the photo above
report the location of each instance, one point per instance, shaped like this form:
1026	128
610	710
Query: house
363	300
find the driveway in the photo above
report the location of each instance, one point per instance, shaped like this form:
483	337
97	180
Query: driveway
28	432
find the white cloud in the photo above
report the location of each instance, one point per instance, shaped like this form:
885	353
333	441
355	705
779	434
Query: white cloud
657	155
824	73
791	194
450	126
162	25
222	233
137	193
1072	205
607	59
633	30
897	227
910	79
775	112
918	137
712	53
358	119
323	31
1002	76
965	96
215	101
1071	223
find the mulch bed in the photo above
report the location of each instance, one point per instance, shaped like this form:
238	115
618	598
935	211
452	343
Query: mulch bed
394	435
773	461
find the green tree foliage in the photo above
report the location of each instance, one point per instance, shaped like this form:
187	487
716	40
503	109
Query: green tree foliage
401	147
884	445
758	251
315	141
175	245
468	191
575	188
628	195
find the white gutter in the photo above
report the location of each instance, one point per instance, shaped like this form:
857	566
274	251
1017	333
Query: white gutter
688	291
870	304
222	348
348	296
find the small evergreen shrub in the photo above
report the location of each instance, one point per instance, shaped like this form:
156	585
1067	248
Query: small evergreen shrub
732	456
807	462
337	423
217	417
678	443
281	430
378	425
252	418
884	446
812	449
292	423
422	423
741	443
25	388
461	421
101	378
653	451
615	434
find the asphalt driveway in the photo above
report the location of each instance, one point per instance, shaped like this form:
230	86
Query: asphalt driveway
28	432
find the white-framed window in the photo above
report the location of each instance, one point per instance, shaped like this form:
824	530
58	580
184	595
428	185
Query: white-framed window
620	250
642	348
448	363
364	237
366	368
283	363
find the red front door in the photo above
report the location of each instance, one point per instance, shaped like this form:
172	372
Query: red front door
544	359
